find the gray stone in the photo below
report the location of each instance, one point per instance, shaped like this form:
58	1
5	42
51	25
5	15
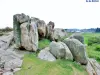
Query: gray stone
41	28
18	19
25	39
93	67
12	64
50	30
77	49
78	36
59	34
29	38
6	40
46	55
60	50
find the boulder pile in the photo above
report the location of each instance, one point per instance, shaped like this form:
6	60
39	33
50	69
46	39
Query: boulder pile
25	36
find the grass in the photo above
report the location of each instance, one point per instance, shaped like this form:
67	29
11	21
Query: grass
43	43
91	50
34	66
92	53
89	35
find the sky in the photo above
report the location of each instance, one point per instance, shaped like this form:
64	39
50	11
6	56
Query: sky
64	13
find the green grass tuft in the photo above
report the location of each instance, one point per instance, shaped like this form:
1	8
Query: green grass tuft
44	43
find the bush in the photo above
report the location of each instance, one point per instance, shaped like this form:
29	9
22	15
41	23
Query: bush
1	34
97	48
6	29
93	40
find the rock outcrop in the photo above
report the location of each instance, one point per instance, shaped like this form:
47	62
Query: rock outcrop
60	50
10	58
25	32
18	19
25	36
77	49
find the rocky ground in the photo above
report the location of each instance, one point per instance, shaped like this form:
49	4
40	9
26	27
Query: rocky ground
10	58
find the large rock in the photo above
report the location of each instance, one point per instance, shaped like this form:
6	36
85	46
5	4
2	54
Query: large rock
59	34
33	34
29	38
60	50
25	32
25	39
46	55
77	49
93	68
78	36
18	19
50	30
41	28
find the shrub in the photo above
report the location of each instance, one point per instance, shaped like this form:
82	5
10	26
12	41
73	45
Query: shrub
93	40
6	29
97	48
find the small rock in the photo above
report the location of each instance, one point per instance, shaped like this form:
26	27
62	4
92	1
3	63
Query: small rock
46	55
8	73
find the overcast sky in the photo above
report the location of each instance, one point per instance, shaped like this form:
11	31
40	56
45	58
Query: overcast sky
65	13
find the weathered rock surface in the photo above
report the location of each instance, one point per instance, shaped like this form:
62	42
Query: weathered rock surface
93	68
46	55
77	49
41	28
59	34
29	38
13	64
60	50
25	32
34	35
78	36
50	30
18	19
10	58
6	40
